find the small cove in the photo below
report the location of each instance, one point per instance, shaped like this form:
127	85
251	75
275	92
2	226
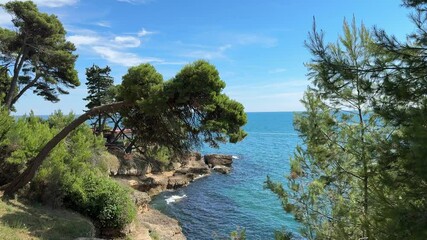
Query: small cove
218	204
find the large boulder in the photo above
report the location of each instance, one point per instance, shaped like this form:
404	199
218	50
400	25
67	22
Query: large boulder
160	225
218	160
200	170
222	169
178	181
194	171
148	183
141	199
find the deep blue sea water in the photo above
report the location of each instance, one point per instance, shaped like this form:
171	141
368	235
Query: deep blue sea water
218	204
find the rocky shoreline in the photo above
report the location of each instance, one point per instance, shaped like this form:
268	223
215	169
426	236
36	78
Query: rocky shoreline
150	223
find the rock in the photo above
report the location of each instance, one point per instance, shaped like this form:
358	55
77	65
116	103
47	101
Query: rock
191	158
148	168
146	184
178	181
218	159
222	169
129	171
182	171
176	166
200	170
194	171
141	199
157	190
160	225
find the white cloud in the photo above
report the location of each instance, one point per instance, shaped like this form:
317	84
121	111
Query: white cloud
127	41
91	38
50	3
208	54
103	24
80	40
144	32
113	48
253	39
277	70
123	58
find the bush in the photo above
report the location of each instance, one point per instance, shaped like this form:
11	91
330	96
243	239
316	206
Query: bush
103	200
21	140
73	175
6	123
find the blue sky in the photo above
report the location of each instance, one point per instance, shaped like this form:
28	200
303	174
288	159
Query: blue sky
257	46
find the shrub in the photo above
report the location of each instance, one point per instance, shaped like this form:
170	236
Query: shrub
73	175
103	200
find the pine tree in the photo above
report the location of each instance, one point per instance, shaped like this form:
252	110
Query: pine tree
98	83
333	179
178	114
404	105
36	54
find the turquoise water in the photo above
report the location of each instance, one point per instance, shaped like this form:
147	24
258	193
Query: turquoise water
216	205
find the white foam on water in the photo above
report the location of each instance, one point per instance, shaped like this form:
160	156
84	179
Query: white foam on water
235	157
174	198
200	176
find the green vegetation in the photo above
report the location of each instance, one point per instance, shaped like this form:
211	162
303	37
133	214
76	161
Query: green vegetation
59	161
98	84
360	172
37	55
19	221
73	175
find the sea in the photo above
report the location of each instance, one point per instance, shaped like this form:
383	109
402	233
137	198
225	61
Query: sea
216	205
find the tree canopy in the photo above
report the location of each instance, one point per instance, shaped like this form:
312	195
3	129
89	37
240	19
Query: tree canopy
361	170
36	54
333	173
99	82
167	114
183	112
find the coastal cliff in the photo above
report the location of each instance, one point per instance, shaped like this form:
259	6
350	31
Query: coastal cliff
147	181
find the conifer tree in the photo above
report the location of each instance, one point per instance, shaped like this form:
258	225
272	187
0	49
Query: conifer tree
98	83
333	173
404	105
177	114
36	55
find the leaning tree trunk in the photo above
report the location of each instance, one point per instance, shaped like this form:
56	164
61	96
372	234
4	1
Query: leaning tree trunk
35	163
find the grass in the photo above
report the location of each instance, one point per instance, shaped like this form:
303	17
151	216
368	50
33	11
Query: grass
22	221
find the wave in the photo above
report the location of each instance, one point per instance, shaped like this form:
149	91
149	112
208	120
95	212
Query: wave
174	198
235	157
200	176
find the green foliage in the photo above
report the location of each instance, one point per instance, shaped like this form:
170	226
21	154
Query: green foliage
140	83
183	112
98	83
4	82
102	199
239	234
6	124
283	235
72	175
37	54
24	139
362	171
333	173
404	105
